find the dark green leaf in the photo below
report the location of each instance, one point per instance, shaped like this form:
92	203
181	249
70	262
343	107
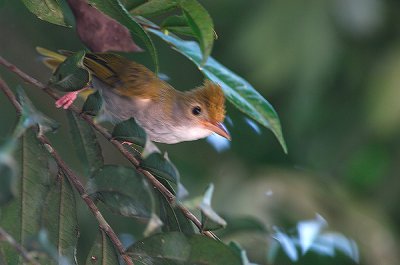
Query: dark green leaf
177	24
59	218
178	248
131	4
130	131
161	167
86	144
237	90
123	191
202	25
71	75
241	224
117	11
102	252
22	216
93	104
30	116
8	171
47	10
154	8
240	251
209	218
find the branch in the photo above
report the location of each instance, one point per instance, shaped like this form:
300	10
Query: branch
20	249
74	180
134	161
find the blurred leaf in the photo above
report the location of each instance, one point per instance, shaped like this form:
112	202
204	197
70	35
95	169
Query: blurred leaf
287	244
178	248
154	7
8	171
30	116
240	251
237	90
161	167
308	231
116	10
71	75
153	225
123	191
177	24
102	251
331	241
131	4
210	220
86	144
93	104
59	218
244	224
130	131
202	25
47	10
22	216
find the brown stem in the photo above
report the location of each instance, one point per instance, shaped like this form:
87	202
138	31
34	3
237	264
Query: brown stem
21	250
153	180
74	180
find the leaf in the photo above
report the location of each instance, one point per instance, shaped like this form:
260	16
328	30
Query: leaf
102	251
202	25
123	191
154	8
240	251
161	167
93	104
245	224
8	171
116	10
30	116
47	10
71	75
210	220
177	24
86	144
178	248
59	218
130	131
308	231
237	90
22	216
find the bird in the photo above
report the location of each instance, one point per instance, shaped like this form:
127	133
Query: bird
129	89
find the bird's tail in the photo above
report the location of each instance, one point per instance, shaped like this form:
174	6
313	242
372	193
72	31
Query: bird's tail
51	59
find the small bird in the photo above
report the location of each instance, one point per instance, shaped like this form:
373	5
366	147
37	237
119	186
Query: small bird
131	90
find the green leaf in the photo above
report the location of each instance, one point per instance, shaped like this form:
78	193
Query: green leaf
237	90
240	251
59	218
178	248
30	116
117	11
242	224
8	171
123	191
102	251
71	75
210	220
131	4
154	8
130	131
86	144
93	104
202	25
47	10
177	24
22	216
161	167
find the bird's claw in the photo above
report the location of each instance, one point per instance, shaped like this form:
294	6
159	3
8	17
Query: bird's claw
66	101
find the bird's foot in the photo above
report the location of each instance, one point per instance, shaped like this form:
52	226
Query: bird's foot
66	101
128	143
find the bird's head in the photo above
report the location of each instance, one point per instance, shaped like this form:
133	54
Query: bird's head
204	110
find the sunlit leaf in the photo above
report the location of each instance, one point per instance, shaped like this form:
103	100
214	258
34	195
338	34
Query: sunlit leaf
59	217
93	104
154	7
287	244
47	10
117	11
86	144
130	131
71	75
123	191
209	218
237	90
202	25
339	242
308	231
102	251
178	248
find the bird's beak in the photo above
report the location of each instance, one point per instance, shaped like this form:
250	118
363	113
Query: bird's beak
218	128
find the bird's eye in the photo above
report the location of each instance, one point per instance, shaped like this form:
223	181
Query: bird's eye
196	111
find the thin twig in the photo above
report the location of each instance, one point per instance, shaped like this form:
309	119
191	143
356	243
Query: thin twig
135	162
4	236
74	180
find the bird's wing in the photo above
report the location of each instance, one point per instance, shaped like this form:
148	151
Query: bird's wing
125	77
